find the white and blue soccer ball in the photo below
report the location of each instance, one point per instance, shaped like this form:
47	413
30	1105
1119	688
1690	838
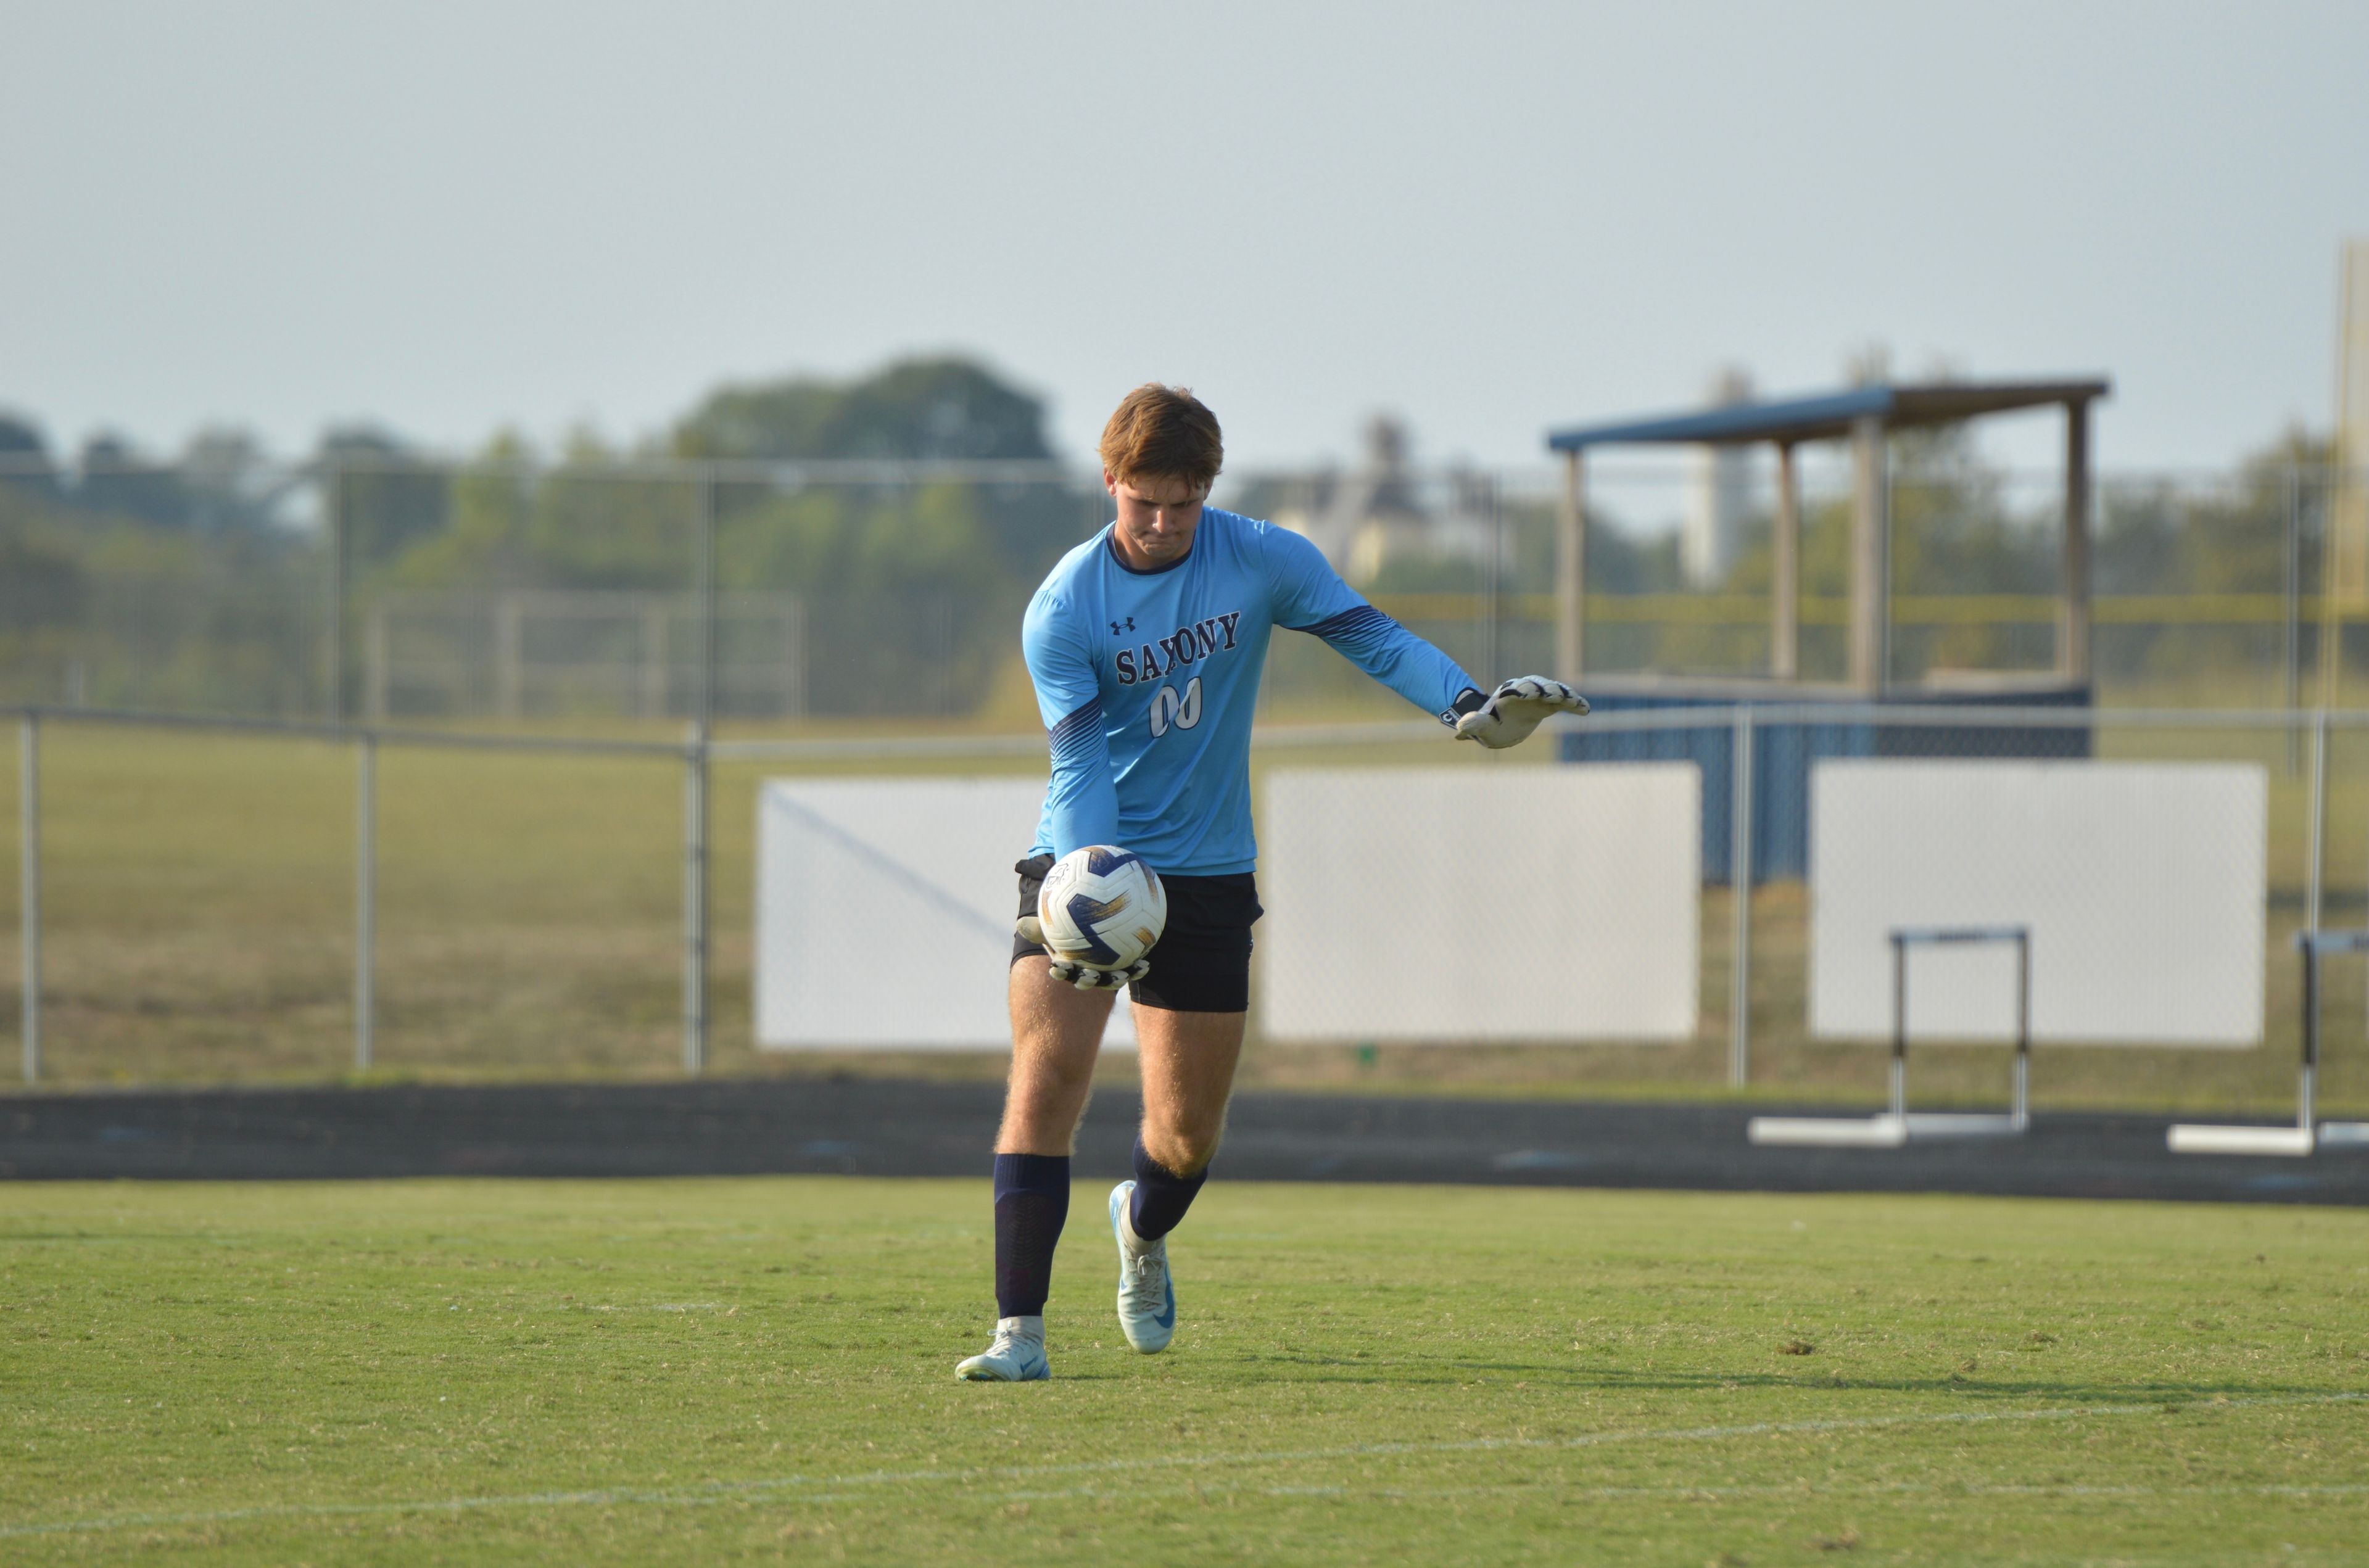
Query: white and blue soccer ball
1102	907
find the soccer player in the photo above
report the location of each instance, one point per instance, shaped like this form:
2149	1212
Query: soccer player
1145	645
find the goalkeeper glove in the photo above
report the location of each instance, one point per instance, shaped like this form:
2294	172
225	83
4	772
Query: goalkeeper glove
1070	972
1087	977
1508	714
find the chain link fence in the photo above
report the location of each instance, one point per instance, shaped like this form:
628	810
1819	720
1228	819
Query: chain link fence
508	591
302	902
564	683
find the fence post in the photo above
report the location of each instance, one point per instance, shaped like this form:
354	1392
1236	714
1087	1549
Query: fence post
2292	676
794	623
1493	647
2309	1081
1899	1076
1571	571
375	657
365	902
2319	818
509	654
28	812
656	666
694	909
2022	1114
696	792
333	520
1739	877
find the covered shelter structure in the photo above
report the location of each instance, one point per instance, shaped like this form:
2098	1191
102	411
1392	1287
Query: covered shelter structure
1865	417
1780	757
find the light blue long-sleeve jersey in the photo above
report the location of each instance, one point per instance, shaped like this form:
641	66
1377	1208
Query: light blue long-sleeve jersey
1148	682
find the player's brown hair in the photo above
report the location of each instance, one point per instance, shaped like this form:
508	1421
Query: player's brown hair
1164	432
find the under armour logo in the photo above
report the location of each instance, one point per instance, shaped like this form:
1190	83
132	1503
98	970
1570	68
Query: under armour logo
1119	631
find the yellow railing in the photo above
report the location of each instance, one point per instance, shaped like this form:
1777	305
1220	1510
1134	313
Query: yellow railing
1907	609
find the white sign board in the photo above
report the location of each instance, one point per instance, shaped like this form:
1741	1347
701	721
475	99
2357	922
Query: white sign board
2141	884
1481	903
884	911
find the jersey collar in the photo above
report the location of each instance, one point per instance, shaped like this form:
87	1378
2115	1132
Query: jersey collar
1110	544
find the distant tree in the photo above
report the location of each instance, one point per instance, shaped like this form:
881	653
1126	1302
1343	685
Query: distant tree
592	526
229	482
945	410
942	408
388	499
1409	573
115	479
2162	537
41	583
38	586
25	457
484	543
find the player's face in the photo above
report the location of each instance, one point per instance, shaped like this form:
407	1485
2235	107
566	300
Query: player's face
1156	518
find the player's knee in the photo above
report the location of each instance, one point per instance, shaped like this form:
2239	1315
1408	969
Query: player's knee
1052	1085
1039	1115
1184	1149
1049	1082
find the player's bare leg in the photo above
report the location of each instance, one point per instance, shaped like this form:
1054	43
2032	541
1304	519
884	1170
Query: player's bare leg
1187	1060
1056	1032
1188	1063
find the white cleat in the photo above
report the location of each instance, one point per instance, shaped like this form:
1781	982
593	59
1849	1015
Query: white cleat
1017	1355
1147	1297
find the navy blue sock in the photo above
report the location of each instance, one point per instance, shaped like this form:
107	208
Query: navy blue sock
1032	1202
1161	1195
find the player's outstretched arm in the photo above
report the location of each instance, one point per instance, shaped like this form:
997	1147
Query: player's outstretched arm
1309	595
1509	713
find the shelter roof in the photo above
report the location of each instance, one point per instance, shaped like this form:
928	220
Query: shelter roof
1829	415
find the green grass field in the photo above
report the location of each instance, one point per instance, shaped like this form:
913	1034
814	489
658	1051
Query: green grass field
698	1372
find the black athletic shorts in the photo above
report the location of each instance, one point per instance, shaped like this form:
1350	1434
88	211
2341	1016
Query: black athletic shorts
1203	961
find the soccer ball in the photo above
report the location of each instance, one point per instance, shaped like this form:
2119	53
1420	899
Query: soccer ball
1102	907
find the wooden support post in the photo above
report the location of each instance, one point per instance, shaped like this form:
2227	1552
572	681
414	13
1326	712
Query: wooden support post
2072	622
1785	572
1870	586
1571	572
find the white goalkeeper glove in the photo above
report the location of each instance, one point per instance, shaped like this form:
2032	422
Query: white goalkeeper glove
1070	972
1509	713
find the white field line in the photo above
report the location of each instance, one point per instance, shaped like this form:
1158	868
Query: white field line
842	1488
1690	1492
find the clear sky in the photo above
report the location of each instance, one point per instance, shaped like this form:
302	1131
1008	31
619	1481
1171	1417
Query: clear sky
1488	218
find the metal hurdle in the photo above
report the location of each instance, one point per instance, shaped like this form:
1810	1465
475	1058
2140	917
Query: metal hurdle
2197	1138
1892	1129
